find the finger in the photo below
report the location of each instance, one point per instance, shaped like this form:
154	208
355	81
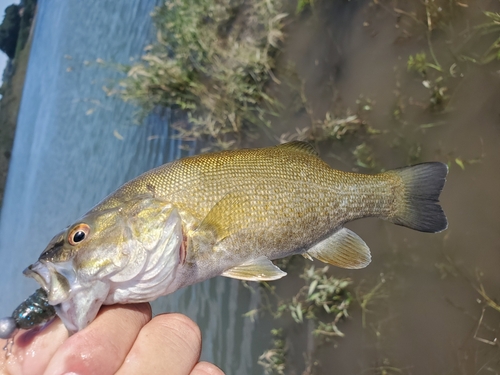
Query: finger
101	347
33	349
168	344
205	368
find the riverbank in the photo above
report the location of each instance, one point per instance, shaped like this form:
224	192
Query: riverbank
9	109
12	92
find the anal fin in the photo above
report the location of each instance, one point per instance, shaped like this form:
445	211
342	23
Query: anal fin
343	249
260	269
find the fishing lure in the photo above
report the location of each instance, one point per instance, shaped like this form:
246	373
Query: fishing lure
32	312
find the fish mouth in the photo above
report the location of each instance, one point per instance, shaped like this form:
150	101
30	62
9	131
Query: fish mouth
76	303
55	279
40	274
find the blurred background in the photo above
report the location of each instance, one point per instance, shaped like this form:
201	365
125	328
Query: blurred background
97	92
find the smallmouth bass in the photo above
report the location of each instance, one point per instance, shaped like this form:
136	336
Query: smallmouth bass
227	213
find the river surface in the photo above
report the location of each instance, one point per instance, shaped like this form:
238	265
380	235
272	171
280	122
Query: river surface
74	145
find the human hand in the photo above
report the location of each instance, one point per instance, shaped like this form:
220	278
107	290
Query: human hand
123	340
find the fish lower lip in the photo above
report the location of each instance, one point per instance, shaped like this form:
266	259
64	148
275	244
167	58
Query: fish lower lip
40	273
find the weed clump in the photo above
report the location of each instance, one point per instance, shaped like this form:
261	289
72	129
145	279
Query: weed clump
491	27
273	360
213	59
323	300
321	294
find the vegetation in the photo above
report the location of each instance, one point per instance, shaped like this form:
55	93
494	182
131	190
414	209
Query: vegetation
15	40
11	91
323	301
321	294
274	360
16	26
213	60
28	14
9	30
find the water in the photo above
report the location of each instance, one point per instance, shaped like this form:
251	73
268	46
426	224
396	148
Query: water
426	317
66	158
65	161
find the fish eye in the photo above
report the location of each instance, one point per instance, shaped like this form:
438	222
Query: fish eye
78	233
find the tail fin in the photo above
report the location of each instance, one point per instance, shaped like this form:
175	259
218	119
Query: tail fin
419	208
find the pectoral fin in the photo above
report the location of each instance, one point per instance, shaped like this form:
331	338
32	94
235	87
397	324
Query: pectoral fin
260	269
343	249
226	217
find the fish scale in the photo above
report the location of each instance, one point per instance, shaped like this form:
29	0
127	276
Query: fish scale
290	189
199	182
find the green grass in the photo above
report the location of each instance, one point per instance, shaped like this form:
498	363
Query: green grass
323	301
273	360
213	60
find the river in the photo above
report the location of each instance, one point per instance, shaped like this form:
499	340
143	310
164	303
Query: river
74	145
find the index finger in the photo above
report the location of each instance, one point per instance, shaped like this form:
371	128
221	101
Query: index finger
101	347
168	344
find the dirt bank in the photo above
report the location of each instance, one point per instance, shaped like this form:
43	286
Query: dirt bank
9	108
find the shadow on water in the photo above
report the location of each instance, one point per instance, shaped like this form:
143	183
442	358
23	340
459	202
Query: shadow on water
428	316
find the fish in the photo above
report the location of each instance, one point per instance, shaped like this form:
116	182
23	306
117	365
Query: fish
226	213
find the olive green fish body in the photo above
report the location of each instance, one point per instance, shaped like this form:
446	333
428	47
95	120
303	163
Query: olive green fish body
227	213
280	199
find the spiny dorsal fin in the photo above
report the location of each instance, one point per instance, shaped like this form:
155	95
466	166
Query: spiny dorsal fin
300	146
343	249
260	269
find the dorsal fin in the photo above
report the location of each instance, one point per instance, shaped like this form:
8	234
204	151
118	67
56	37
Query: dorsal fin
300	146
